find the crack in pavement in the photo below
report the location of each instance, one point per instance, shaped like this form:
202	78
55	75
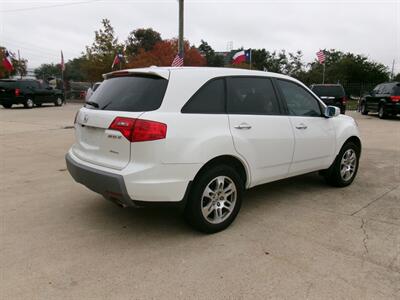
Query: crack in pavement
365	239
378	198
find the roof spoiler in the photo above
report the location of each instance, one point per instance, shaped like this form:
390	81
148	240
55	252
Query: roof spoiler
146	71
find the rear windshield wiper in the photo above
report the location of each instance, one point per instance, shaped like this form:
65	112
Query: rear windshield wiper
92	103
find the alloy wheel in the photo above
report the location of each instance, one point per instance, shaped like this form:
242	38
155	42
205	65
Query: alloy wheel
348	164
219	199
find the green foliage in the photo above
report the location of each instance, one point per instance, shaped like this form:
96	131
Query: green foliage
213	59
48	70
74	69
142	38
397	77
346	68
100	55
278	62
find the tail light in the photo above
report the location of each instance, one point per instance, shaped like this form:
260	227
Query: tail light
344	100
17	92
395	98
137	130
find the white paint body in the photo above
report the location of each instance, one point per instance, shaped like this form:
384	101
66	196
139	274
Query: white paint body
161	170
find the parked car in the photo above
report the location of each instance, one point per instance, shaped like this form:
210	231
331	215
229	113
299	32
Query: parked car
383	99
91	90
331	94
28	92
201	136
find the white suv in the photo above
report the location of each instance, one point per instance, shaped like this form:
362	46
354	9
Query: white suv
201	136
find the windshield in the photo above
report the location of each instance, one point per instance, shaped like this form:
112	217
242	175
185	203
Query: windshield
329	91
129	93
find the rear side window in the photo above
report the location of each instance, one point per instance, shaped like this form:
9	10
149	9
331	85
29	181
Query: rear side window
329	91
130	93
209	99
252	95
299	101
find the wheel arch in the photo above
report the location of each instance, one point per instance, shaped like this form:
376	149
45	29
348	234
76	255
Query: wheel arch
232	161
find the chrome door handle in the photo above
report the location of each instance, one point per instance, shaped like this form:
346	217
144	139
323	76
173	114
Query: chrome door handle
243	126
301	126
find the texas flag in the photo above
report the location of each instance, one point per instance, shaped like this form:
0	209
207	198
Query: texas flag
117	59
7	63
241	56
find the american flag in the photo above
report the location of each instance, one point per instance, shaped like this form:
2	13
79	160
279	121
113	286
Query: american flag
321	56
178	61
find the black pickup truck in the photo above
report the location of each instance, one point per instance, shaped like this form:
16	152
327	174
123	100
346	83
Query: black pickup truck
28	92
383	99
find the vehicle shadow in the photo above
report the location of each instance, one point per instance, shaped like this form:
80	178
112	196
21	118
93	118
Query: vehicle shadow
169	219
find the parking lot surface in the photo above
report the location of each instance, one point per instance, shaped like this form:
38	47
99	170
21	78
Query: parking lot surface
293	239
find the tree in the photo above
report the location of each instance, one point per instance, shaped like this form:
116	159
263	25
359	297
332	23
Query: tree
163	54
213	60
346	68
397	77
142	38
74	69
45	71
100	55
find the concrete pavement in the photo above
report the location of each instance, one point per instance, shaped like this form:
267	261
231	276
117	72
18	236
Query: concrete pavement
293	239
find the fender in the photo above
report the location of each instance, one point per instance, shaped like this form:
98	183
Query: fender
345	128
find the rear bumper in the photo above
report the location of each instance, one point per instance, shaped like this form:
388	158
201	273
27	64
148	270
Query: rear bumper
111	186
12	100
392	108
136	185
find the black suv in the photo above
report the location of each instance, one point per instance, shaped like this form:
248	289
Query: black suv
331	94
28	93
384	99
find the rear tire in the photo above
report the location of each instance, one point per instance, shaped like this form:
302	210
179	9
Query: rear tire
215	199
7	105
29	103
364	110
344	169
381	112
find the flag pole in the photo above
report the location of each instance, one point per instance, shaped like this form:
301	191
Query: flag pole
180	38
323	73
251	57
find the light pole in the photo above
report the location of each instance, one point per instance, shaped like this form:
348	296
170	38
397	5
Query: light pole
180	40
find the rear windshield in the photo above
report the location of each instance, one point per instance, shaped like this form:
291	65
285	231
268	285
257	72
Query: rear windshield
329	91
396	90
130	93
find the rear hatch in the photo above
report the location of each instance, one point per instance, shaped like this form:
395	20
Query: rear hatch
7	89
126	95
330	94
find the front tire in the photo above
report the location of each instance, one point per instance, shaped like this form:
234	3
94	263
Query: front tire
215	199
344	168
58	102
29	103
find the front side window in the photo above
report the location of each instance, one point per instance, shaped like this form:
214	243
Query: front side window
299	101
252	95
209	99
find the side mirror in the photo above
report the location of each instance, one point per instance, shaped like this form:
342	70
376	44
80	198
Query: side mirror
331	111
